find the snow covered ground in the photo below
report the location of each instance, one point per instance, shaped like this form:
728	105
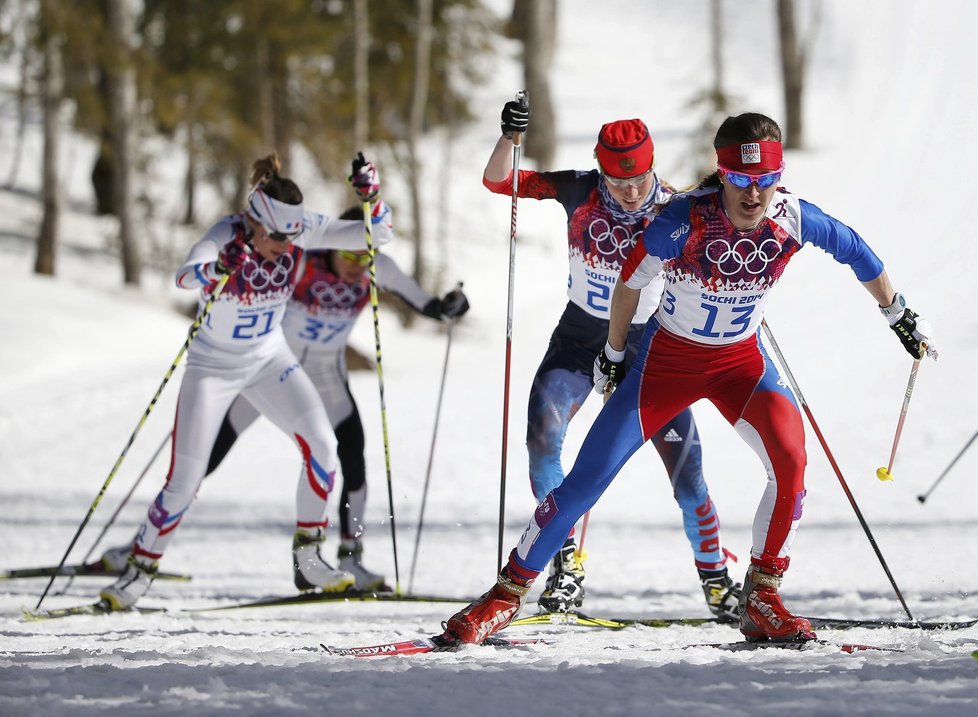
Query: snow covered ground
891	147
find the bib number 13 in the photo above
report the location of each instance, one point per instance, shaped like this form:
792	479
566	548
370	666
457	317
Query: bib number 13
736	318
741	319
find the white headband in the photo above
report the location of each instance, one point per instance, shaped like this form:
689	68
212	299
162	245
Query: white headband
274	215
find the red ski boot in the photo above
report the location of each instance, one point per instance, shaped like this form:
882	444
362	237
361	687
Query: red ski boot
763	616
490	613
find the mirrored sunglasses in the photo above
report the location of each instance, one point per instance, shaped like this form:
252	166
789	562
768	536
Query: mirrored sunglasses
359	259
742	180
622	182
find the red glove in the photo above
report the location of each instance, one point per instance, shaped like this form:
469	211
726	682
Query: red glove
235	254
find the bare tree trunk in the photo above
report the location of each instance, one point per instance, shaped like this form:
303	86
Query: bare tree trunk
793	72
122	116
361	77
23	92
52	87
419	100
263	82
535	23
190	179
716	29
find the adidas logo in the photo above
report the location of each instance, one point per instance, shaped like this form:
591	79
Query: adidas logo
673	437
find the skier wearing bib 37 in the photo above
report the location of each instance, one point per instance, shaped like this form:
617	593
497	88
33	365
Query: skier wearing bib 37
723	247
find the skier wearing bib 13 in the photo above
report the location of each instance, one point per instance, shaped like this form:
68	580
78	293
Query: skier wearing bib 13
723	247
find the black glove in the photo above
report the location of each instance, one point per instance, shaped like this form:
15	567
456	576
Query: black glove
235	254
453	305
906	330
914	333
607	373
515	117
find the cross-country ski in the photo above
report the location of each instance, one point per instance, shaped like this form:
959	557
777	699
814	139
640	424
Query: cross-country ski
436	643
96	569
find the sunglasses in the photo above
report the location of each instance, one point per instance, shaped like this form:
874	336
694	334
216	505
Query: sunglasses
622	182
358	259
741	180
281	236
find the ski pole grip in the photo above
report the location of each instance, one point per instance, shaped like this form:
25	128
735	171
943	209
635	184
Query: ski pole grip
523	97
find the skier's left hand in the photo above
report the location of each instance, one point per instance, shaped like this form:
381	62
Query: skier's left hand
914	333
365	179
454	304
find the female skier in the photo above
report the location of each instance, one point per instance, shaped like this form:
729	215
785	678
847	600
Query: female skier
607	209
241	350
329	297
722	247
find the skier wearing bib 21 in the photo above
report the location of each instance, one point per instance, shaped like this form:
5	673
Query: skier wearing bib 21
241	350
607	209
723	247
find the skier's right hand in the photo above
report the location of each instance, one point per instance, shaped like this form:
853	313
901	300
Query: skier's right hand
609	369
515	118
235	254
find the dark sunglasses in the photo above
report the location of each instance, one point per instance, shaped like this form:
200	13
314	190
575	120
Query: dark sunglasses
281	236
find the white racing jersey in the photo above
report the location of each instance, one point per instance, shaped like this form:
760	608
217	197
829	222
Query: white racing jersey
252	305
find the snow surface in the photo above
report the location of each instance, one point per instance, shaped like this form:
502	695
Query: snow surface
891	109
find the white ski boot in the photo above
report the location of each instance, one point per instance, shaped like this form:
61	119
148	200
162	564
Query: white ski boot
350	555
310	570
131	585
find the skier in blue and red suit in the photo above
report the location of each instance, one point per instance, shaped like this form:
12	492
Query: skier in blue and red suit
722	247
607	209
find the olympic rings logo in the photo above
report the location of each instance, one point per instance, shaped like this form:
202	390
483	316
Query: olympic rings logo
265	273
337	295
744	255
613	243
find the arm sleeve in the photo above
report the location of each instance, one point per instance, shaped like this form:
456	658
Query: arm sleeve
392	279
842	242
662	240
199	269
323	232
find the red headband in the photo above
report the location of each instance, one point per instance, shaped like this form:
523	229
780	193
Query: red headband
753	157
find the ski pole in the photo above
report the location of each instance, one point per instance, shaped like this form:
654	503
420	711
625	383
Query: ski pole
523	98
884	473
431	451
375	307
835	466
195	327
923	497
